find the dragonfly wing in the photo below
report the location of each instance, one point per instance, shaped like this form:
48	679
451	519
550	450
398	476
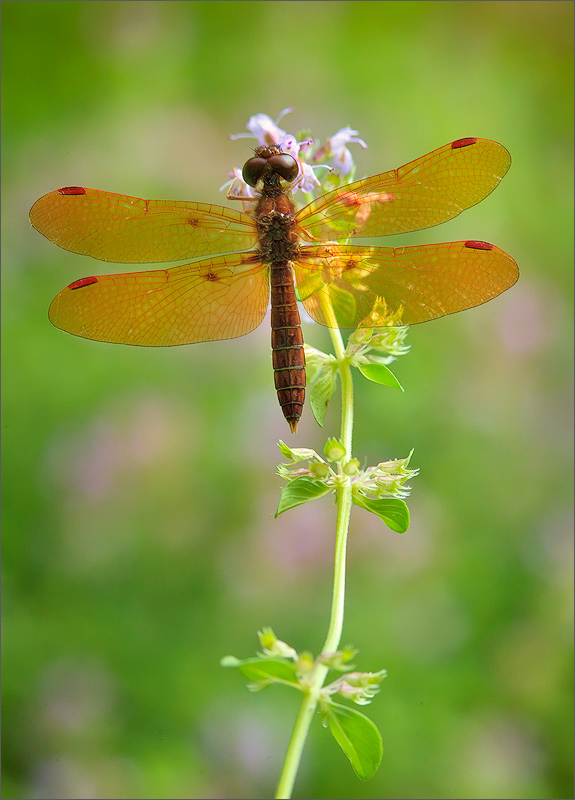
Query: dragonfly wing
342	286
115	227
216	298
421	194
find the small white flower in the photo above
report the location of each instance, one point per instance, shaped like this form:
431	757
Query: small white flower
265	130
335	149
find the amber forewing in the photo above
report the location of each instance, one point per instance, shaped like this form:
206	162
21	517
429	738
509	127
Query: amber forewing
225	297
426	192
341	285
216	298
115	227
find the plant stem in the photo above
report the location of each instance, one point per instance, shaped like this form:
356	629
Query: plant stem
299	734
344	502
346	390
343	498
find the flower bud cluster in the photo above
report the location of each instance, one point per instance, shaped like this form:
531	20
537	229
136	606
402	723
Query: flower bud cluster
376	340
360	687
340	659
272	646
386	479
318	468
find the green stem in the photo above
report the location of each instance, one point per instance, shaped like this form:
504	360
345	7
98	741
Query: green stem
343	498
344	503
299	734
346	391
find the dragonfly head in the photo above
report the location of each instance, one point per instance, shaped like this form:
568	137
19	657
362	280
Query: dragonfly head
268	165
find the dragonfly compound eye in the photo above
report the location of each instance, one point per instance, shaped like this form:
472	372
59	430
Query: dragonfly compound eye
285	165
253	170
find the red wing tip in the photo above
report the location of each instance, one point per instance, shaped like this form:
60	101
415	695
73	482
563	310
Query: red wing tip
72	190
82	282
473	245
463	142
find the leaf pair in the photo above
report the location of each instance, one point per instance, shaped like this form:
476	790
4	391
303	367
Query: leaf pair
392	510
355	733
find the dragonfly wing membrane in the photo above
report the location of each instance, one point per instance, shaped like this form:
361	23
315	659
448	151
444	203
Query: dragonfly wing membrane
216	298
426	192
122	229
342	286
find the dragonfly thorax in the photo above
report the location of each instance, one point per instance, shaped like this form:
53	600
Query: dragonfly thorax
278	240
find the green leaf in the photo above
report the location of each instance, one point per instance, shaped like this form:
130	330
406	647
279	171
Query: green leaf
263	669
379	373
357	736
393	511
320	395
300	490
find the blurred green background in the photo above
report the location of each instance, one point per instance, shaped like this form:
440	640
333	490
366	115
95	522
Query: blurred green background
140	487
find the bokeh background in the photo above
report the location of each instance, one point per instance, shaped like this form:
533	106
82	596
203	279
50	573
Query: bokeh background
139	485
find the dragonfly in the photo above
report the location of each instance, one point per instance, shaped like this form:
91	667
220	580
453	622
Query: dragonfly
270	249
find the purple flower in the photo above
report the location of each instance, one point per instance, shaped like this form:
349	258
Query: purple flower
336	150
265	130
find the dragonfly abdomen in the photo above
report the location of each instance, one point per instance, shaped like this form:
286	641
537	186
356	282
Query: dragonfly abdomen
287	344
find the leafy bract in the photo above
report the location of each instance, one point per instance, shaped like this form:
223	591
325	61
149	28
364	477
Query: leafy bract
357	736
268	670
379	373
300	490
320	395
393	511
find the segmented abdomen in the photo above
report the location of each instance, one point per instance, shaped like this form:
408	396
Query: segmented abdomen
287	344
